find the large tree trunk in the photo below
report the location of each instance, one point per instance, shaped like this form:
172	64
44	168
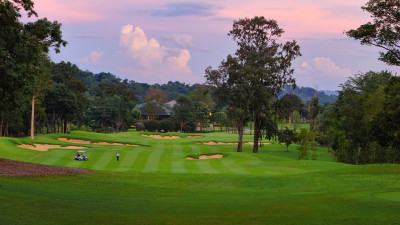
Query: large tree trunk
358	154
240	138
65	126
6	127
256	132
1	124
54	121
69	127
33	119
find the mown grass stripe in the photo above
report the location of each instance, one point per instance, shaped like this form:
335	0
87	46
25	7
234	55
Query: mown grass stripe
57	156
102	162
178	159
166	158
142	160
135	159
233	166
154	159
127	159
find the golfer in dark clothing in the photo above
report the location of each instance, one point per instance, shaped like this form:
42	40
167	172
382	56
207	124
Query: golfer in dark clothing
117	156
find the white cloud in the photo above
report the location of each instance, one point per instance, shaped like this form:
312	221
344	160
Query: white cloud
152	61
94	58
321	72
181	40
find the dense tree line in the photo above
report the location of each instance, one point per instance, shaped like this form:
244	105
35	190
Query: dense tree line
363	125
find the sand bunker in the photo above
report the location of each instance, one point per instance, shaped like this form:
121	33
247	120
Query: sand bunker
79	141
194	136
75	141
216	156
46	147
161	137
224	143
114	143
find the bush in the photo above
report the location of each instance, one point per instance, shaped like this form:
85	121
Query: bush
139	126
167	125
152	125
190	127
322	139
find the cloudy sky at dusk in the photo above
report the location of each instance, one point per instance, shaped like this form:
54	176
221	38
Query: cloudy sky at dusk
156	41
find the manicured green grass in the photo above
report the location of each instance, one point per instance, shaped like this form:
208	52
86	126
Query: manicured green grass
155	184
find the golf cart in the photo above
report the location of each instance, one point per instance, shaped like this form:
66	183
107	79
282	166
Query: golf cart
81	156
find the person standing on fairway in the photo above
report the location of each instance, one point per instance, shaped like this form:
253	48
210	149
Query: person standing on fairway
117	156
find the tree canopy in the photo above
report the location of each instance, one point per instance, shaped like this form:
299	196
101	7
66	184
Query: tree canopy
383	31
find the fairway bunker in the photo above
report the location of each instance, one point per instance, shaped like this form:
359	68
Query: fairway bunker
223	143
79	141
214	156
46	147
161	137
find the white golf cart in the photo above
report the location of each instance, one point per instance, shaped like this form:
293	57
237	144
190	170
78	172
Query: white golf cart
81	156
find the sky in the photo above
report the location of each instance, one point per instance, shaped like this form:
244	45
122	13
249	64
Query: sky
156	41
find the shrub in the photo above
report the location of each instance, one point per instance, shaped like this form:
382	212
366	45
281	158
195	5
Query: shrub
152	125
190	127
167	125
139	126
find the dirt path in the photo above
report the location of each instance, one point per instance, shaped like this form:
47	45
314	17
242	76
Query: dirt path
14	168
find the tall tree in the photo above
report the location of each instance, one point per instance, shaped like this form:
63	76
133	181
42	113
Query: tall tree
202	93
24	49
266	63
315	108
290	103
183	112
386	124
155	100
383	31
230	85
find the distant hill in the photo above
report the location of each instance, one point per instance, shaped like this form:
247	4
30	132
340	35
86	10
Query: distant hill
307	93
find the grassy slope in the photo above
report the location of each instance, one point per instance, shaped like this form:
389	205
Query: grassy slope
154	184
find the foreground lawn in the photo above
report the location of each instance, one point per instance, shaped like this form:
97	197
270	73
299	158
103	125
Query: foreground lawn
155	184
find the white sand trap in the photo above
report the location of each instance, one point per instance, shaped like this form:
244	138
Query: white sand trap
224	143
161	137
216	156
194	136
114	143
46	147
75	141
79	141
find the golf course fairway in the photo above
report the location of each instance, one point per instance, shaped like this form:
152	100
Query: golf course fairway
154	183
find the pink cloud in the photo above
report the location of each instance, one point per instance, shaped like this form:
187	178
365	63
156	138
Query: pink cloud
70	11
323	72
153	61
300	17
